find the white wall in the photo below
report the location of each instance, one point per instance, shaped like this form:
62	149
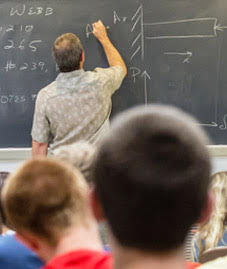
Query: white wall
219	164
10	159
9	165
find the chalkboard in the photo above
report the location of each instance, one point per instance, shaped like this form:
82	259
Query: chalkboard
174	51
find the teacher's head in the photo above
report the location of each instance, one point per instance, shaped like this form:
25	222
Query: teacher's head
68	52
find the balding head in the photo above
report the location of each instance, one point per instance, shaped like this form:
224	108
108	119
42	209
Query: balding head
68	52
152	176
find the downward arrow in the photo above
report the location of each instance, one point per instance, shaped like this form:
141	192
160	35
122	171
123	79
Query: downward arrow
145	76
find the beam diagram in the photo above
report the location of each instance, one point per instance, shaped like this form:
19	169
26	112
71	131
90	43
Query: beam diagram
171	30
192	28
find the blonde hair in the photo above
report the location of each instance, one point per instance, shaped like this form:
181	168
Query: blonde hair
45	197
81	155
212	231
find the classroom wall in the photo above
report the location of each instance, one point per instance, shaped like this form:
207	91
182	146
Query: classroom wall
9	165
11	159
219	164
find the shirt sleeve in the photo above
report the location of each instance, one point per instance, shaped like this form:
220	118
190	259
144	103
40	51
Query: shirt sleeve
111	77
41	127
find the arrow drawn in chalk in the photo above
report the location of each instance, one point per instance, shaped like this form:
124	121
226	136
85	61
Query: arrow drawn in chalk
219	27
145	76
212	124
188	55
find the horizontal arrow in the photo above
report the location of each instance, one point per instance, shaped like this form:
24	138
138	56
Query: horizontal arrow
212	124
188	54
219	27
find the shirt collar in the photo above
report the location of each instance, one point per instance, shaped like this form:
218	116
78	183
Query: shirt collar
68	81
65	75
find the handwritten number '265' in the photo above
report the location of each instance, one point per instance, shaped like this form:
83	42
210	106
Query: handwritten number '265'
32	45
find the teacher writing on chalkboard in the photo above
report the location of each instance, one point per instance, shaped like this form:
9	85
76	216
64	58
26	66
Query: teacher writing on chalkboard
77	105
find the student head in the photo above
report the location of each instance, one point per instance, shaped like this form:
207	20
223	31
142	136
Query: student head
81	155
152	174
68	52
43	200
3	177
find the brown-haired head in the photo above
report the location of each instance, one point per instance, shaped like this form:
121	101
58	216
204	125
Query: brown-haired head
68	52
3	176
45	197
152	175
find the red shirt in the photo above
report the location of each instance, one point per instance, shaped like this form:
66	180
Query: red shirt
87	259
192	265
81	259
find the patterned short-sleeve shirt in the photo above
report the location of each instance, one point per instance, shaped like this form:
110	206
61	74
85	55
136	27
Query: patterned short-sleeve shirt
76	106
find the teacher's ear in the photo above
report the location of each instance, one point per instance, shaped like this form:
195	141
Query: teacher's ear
82	59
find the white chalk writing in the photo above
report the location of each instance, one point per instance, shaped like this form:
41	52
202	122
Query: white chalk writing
33	66
19	28
9	99
35	11
12	44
